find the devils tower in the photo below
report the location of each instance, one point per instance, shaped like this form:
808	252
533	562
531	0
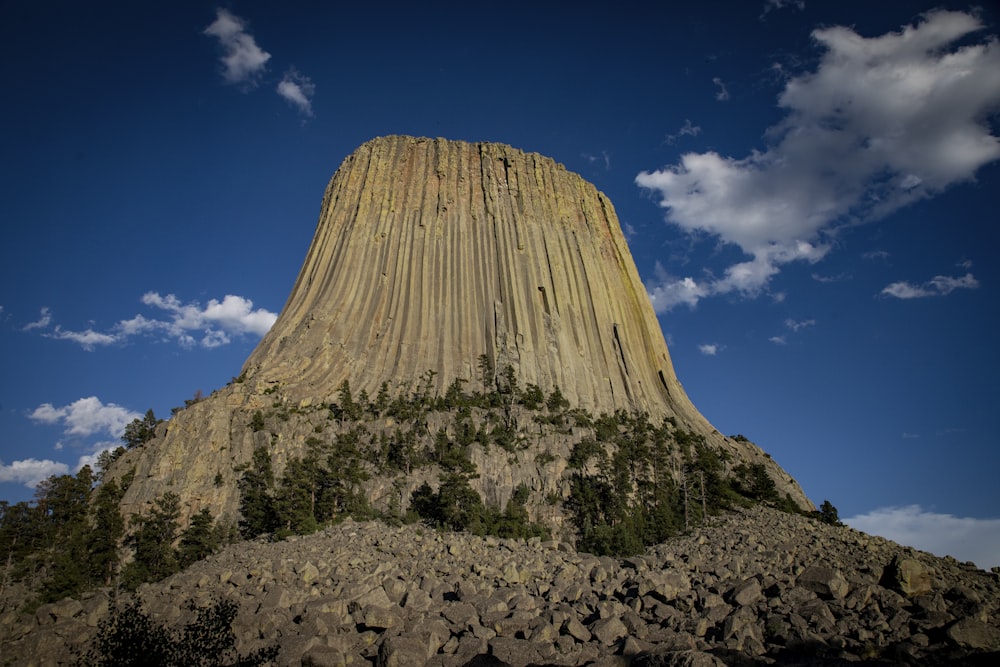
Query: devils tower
430	253
430	258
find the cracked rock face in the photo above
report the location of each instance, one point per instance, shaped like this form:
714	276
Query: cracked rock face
428	256
430	253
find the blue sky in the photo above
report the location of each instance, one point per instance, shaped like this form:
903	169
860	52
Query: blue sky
808	189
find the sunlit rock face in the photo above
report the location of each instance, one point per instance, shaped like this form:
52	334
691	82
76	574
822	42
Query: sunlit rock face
429	256
430	253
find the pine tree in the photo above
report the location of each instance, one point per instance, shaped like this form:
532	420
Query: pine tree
108	529
295	500
66	501
198	540
828	514
257	511
153	541
140	431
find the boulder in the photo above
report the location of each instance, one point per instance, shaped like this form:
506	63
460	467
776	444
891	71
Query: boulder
908	576
826	582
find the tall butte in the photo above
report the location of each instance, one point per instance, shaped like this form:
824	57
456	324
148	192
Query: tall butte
431	253
428	255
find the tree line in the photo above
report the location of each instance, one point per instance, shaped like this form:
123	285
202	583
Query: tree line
72	537
631	483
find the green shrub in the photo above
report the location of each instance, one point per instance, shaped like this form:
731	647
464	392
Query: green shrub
128	637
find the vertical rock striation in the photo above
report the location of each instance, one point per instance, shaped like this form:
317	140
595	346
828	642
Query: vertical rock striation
430	253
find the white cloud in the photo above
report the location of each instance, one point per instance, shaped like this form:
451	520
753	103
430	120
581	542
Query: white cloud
795	326
298	90
799	325
774	5
189	324
87	339
242	60
881	123
86	416
96	450
830	279
31	471
233	314
709	349
667	291
723	93
687	130
967	539
43	321
936	286
603	158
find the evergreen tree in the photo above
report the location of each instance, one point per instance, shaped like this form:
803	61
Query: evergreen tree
140	431
22	538
257	511
66	500
153	541
828	514
556	402
129	638
455	505
295	499
349	410
108	529
257	421
198	540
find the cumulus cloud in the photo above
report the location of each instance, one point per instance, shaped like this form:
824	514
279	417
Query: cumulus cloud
190	324
721	95
43	321
667	292
881	123
233	314
86	416
298	90
31	471
709	349
86	339
95	453
242	60
967	539
778	340
936	286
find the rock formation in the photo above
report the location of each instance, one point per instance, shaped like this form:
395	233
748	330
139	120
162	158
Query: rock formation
429	257
761	587
430	253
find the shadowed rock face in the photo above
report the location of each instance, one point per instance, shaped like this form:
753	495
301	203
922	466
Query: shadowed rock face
430	253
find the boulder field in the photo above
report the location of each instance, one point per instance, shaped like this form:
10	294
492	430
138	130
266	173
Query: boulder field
754	587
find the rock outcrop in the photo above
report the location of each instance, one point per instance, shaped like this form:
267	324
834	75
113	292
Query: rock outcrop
430	253
758	587
431	257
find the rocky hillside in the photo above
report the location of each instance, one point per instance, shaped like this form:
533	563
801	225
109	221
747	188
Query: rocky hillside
438	262
755	587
